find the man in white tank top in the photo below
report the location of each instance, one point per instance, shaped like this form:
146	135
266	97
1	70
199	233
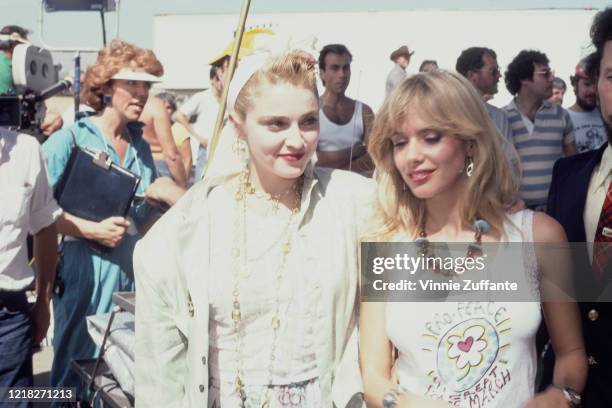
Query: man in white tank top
345	122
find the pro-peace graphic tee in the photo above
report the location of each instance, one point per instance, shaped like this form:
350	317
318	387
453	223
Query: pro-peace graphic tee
470	354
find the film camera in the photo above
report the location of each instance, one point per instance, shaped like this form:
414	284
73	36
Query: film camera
35	80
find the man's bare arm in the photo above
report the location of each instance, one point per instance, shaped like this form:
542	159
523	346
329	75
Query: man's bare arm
363	163
162	128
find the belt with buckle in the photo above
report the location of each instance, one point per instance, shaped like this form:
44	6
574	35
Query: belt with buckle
8	298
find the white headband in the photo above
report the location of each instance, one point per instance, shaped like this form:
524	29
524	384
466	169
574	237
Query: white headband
244	71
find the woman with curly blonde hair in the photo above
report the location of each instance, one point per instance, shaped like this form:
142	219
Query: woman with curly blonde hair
117	87
442	176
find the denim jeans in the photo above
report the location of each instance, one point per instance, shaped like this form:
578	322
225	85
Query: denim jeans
15	343
162	168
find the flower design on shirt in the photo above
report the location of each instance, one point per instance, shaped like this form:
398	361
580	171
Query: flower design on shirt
467	349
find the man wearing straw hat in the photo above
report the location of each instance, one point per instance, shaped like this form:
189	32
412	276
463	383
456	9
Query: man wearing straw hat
401	57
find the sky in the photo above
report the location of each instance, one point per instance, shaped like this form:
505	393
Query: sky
83	29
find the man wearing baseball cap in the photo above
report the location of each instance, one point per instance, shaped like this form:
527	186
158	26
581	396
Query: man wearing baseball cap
588	126
401	57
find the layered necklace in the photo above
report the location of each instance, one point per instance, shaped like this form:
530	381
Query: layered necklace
241	261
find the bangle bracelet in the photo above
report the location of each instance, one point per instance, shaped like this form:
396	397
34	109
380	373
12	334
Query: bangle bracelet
571	396
390	398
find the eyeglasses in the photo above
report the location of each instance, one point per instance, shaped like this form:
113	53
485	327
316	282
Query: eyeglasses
546	73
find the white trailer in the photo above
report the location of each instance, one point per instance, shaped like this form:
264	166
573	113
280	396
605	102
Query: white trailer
185	43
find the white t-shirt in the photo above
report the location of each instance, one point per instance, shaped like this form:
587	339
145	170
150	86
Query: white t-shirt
27	205
470	354
589	130
204	107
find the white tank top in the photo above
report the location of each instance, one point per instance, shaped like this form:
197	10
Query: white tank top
474	354
334	137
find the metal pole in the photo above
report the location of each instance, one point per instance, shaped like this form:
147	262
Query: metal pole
103	27
76	85
228	77
118	15
116	309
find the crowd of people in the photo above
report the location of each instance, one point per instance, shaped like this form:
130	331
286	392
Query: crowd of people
248	287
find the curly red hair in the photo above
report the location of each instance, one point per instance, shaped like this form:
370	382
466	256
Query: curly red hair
116	56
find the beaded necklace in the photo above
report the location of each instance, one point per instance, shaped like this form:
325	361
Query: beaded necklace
474	249
245	189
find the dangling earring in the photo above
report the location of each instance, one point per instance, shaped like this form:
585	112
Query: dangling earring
240	150
469	170
239	147
107	100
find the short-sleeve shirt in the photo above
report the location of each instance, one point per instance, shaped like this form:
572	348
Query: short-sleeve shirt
138	159
589	130
26	206
204	107
539	145
500	120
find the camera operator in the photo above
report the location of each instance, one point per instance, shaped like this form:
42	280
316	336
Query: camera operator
27	206
10	37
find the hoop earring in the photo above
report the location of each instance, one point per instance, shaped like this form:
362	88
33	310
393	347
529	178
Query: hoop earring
469	170
107	100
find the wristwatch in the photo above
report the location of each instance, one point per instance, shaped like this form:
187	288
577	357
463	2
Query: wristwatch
570	395
390	398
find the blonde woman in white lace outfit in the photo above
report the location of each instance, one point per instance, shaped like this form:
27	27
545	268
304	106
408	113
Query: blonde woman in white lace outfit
442	177
246	288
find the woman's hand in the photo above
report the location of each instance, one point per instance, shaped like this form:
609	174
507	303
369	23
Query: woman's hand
550	398
110	231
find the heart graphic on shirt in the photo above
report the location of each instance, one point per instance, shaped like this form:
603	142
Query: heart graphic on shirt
466	345
466	352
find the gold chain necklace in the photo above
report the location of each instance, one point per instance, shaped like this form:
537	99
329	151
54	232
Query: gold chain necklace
245	188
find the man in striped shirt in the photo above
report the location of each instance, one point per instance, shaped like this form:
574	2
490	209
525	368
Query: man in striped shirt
542	132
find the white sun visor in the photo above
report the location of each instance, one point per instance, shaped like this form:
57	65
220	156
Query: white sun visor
132	75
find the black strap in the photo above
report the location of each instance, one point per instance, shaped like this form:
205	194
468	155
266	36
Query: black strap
74	142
